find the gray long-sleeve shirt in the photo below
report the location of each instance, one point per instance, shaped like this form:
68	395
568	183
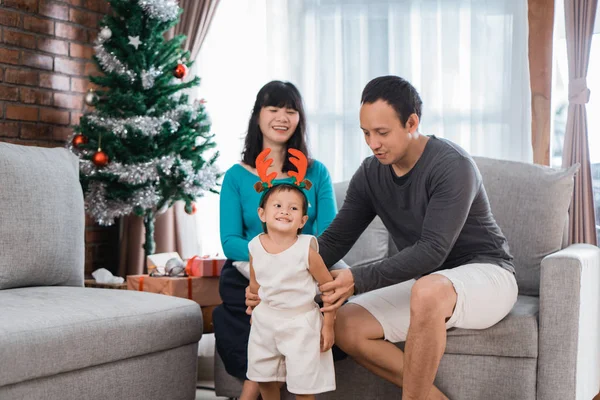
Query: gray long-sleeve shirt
438	215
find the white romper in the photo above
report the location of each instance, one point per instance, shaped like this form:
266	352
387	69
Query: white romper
285	336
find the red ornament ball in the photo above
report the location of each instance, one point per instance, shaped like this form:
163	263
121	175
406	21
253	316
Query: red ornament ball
190	208
100	159
78	140
180	71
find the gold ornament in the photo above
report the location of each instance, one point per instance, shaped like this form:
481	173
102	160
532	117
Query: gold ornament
91	98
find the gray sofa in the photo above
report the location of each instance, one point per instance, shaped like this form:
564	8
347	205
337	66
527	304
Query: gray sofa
59	340
548	347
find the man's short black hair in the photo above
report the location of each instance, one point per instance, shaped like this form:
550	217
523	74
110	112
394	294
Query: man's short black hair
395	91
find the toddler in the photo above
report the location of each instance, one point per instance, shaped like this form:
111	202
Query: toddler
290	340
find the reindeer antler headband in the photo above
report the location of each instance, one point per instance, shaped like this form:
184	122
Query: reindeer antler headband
262	165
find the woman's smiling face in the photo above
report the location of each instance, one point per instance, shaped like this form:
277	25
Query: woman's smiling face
277	124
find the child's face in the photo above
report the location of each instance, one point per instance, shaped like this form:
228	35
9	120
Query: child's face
283	212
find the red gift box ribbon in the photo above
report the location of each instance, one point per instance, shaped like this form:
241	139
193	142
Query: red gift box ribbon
215	267
214	264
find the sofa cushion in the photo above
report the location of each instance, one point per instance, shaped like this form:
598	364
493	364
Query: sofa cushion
42	223
50	330
530	203
515	336
373	244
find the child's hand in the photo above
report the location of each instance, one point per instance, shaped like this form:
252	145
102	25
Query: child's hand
327	337
252	300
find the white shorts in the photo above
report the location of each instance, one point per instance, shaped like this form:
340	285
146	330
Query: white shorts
285	346
485	294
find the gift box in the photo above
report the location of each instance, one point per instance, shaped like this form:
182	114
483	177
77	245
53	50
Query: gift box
204	266
203	290
156	262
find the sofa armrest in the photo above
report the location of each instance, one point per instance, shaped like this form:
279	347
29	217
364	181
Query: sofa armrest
569	324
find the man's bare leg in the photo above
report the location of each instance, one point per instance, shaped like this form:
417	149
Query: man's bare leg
250	390
432	303
360	335
270	390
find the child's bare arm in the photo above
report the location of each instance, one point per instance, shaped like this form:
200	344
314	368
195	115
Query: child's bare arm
317	268
319	271
321	274
254	286
253	283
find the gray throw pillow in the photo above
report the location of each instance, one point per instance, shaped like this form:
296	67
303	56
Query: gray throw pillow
530	204
42	217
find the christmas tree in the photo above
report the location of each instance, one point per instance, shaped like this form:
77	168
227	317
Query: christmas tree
143	146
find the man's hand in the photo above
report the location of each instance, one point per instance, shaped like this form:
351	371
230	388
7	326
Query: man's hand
337	291
327	336
252	300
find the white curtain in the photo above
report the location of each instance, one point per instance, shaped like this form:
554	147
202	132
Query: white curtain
468	60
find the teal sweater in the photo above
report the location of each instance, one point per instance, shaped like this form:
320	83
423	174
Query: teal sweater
239	204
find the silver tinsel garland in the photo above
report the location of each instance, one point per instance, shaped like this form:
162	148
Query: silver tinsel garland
135	174
109	62
105	211
198	182
162	10
148	126
149	76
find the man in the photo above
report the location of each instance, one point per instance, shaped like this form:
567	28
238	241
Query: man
453	268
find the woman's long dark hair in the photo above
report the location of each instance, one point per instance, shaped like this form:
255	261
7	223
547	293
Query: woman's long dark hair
276	94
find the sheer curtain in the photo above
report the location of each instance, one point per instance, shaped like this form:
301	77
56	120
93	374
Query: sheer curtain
233	66
468	59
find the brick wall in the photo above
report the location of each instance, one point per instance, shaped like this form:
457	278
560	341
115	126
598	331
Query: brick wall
45	59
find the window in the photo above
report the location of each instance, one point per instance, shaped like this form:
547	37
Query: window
467	59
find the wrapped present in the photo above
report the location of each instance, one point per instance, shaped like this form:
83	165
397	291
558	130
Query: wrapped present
203	290
204	266
165	264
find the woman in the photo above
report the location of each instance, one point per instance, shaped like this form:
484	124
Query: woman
277	122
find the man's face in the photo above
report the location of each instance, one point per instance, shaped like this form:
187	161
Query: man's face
384	132
283	212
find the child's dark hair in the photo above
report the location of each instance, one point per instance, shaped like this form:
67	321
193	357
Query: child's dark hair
395	91
276	94
284	187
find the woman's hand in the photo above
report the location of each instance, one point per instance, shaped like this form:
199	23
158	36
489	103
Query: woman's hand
252	300
337	291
